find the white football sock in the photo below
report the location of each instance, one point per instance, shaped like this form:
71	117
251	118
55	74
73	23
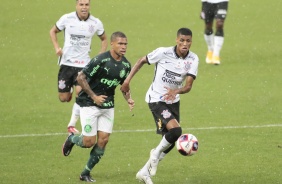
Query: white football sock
163	145
74	115
162	156
218	42
210	41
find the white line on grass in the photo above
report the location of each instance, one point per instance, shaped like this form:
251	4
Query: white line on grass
148	130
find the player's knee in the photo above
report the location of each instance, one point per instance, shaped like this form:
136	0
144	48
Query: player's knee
173	134
102	142
219	32
208	31
88	142
65	97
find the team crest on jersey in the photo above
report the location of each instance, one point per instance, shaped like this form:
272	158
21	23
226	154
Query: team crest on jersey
187	65
91	29
62	84
166	114
122	73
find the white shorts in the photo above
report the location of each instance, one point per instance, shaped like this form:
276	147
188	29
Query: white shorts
94	119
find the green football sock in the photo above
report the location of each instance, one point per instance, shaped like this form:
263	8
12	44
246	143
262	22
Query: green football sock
78	140
95	156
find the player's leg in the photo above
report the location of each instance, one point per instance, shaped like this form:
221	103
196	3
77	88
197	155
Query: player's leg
64	84
219	34
104	127
75	113
208	32
87	138
170	127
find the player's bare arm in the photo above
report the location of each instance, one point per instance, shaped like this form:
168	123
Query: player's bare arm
130	101
187	87
171	93
81	79
138	65
53	34
104	42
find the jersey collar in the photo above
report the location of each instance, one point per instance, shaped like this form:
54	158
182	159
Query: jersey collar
81	19
178	55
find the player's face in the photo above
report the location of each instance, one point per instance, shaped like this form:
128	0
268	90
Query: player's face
183	43
119	46
82	8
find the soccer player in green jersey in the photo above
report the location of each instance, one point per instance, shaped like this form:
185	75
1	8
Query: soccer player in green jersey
99	80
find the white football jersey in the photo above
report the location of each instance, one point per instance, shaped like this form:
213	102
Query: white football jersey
78	36
214	1
170	71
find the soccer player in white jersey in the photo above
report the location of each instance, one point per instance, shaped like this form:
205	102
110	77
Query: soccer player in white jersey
79	27
176	69
214	10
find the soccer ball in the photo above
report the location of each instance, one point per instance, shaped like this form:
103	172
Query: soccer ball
187	144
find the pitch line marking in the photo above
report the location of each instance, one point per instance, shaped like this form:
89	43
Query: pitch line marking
147	130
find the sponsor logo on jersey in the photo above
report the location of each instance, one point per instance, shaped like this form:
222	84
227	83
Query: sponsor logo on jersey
169	77
94	70
77	40
110	83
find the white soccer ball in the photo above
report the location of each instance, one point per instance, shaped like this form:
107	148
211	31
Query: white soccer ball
187	144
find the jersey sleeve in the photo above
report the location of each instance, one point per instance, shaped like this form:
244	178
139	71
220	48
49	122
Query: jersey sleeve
100	28
92	68
193	69
155	55
61	23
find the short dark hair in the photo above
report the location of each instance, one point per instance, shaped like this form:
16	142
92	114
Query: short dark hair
184	31
117	34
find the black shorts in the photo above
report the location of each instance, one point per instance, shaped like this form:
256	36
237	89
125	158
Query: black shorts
67	78
163	113
215	11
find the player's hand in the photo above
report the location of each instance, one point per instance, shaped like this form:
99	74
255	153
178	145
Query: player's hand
131	103
59	52
99	100
170	95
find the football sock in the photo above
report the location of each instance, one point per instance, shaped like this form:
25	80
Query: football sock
162	156
74	115
78	140
169	149
218	42
210	41
95	156
163	145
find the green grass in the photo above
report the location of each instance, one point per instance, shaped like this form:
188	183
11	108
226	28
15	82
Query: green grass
234	109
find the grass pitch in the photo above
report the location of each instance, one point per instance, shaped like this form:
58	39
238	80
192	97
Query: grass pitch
234	109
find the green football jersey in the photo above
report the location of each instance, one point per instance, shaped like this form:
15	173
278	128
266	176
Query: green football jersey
103	74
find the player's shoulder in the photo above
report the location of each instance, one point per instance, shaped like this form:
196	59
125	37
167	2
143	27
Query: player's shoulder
124	59
164	50
92	18
105	56
192	55
71	15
